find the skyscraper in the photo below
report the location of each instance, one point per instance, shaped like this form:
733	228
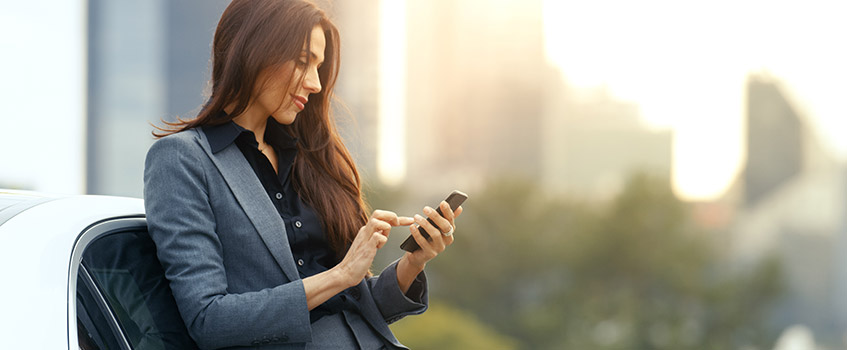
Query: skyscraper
774	138
792	205
593	142
147	61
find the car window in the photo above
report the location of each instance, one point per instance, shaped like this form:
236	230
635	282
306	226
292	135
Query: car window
125	270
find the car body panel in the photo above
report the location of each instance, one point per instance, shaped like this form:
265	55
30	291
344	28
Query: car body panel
39	274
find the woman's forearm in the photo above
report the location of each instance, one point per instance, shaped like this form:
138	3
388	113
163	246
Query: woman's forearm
323	286
406	273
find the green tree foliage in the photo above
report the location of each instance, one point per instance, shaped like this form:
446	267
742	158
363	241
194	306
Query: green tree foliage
448	328
634	273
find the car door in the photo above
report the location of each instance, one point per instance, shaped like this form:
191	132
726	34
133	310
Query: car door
123	300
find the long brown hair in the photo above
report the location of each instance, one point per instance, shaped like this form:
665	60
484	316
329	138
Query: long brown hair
254	35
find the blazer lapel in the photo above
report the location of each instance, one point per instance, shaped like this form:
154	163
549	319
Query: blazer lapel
252	198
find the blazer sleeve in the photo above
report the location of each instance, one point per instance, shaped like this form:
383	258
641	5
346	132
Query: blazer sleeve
182	224
390	300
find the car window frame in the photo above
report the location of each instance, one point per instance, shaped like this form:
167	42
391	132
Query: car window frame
92	232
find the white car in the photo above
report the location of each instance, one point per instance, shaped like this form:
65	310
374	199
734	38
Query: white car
80	272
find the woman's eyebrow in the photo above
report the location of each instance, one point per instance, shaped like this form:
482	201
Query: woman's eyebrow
314	56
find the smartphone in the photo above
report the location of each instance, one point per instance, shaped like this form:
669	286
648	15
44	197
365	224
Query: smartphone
455	199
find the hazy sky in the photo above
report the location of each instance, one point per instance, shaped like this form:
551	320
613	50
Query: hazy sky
391	148
43	94
685	64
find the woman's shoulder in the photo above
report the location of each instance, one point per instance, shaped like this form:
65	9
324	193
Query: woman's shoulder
187	141
190	135
185	138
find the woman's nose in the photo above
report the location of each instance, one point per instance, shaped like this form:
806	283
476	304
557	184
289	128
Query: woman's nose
312	83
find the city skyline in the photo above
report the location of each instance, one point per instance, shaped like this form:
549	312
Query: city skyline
816	99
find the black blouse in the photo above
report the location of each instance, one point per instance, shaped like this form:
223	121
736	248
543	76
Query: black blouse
303	227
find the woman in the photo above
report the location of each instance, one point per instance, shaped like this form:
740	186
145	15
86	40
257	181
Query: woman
255	205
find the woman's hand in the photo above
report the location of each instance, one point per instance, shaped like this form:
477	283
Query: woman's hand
413	263
359	258
370	238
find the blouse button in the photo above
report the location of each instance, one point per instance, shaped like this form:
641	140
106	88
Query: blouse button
355	293
298	224
300	262
278	195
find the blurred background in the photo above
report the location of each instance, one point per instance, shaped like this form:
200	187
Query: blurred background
642	175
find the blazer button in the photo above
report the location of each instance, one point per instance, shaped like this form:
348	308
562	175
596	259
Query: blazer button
298	224
300	262
278	195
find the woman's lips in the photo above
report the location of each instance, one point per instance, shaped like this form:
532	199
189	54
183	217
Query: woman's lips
300	101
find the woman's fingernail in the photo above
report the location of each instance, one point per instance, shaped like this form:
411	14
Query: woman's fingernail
427	210
418	217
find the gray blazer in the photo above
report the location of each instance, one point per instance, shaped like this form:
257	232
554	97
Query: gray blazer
225	252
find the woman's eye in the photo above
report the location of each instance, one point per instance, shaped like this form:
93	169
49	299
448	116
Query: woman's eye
303	63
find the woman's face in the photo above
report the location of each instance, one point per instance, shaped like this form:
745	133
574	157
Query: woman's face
282	98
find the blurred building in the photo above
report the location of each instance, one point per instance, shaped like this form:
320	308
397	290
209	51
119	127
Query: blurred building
484	102
357	87
792	202
773	128
593	142
147	61
476	99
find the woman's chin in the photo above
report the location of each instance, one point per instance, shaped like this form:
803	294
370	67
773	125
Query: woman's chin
285	118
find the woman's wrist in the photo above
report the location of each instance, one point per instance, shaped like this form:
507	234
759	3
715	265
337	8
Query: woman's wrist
342	274
322	286
407	272
413	265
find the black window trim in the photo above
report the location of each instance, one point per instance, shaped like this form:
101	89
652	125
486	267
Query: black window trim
99	229
103	306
